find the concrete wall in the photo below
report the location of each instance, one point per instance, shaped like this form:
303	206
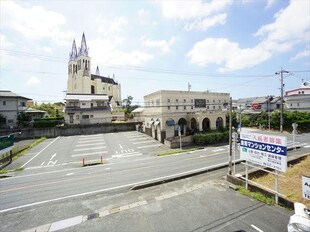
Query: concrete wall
70	130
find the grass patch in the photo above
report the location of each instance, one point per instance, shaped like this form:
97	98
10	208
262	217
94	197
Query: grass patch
33	144
3	171
177	152
258	196
290	182
18	169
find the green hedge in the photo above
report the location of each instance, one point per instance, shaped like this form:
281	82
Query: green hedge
48	122
211	138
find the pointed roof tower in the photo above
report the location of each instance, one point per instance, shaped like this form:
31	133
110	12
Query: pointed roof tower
97	71
83	50
73	53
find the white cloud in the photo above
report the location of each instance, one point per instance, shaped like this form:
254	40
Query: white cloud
143	16
107	53
163	45
34	22
225	53
302	54
4	42
291	26
33	81
192	9
206	23
118	24
270	3
47	50
196	15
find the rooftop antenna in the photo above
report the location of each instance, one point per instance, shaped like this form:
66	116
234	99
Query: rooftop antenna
189	87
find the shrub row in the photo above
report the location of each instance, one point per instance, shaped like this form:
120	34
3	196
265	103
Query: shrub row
48	122
211	138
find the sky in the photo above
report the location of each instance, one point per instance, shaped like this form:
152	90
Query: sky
230	46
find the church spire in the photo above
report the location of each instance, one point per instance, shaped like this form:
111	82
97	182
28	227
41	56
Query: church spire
73	53
97	71
83	50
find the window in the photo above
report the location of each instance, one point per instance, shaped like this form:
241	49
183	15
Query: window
92	89
220	107
91	105
85	116
176	100
192	107
22	104
10	121
157	102
213	107
207	107
177	108
4	103
213	101
168	100
192	101
297	104
77	117
184	107
184	100
207	101
168	107
83	104
109	88
291	104
219	101
302	92
91	116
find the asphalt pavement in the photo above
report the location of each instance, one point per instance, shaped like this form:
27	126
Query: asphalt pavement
200	203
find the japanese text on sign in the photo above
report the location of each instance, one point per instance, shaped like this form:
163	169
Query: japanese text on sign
266	150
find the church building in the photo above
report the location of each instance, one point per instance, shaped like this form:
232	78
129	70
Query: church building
91	98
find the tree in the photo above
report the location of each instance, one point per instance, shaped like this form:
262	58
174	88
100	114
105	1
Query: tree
127	101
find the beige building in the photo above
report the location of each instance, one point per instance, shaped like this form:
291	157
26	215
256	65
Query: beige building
166	110
81	85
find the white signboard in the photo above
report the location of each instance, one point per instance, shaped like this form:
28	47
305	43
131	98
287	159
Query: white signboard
306	187
266	150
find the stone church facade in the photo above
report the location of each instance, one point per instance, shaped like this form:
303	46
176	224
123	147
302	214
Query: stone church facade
91	98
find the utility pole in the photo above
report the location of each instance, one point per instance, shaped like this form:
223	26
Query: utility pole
281	116
230	136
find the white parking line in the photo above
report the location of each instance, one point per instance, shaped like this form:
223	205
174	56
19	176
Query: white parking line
88	154
90	144
256	228
94	140
137	139
148	141
154	145
40	151
89	148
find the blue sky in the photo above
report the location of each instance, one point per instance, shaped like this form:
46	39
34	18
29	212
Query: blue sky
220	45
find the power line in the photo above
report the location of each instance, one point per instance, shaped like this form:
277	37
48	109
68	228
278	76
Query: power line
131	67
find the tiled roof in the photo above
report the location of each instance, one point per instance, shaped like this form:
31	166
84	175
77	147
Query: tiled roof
104	79
6	93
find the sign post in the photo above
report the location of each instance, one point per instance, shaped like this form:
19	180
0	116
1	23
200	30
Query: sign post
294	125
235	136
179	132
265	150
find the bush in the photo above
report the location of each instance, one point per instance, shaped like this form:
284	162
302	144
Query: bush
211	138
48	122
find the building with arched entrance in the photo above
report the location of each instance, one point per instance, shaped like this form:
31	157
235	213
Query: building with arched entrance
165	111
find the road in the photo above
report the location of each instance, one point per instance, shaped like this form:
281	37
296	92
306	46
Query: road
126	166
200	203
